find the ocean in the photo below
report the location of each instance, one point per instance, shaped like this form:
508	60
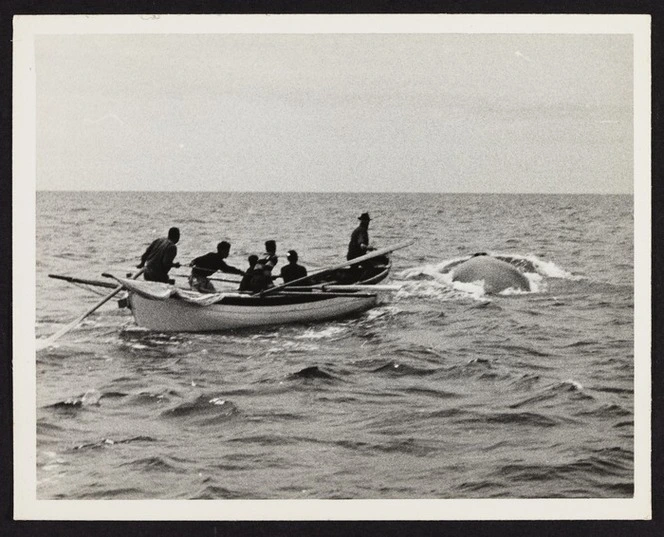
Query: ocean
441	391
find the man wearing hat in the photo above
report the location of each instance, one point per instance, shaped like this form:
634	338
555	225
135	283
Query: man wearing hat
359	240
292	271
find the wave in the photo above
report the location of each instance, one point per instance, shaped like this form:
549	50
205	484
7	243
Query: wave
394	368
206	409
105	442
46	427
522	418
312	372
595	470
553	394
152	464
105	494
606	410
439	394
321	333
475	367
213	492
89	398
466	416
151	398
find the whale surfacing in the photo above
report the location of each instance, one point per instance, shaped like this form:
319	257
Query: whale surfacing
496	274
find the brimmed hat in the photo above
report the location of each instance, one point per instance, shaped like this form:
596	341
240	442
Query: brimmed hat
364	216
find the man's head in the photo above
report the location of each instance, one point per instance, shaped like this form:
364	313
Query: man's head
223	248
292	256
270	247
364	219
174	234
252	260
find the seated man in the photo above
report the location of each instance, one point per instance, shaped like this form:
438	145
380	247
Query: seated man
260	279
292	271
245	284
204	266
269	259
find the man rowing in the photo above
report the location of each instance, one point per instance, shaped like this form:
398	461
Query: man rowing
158	257
206	265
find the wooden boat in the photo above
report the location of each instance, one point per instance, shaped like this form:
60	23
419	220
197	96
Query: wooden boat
331	293
164	308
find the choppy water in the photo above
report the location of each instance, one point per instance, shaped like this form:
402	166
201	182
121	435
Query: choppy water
439	392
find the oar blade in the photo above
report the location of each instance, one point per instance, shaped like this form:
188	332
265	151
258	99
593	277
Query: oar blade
45	343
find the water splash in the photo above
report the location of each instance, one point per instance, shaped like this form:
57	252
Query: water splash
318	333
434	280
89	398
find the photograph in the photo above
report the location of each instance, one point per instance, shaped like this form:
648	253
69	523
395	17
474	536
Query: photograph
331	267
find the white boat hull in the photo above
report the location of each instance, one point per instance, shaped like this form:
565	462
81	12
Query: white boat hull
173	315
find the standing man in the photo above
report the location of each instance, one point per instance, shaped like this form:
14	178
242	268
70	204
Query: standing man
359	240
292	271
159	256
206	265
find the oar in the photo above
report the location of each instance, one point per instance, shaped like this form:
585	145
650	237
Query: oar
44	343
328	294
72	279
332	287
359	287
366	257
210	278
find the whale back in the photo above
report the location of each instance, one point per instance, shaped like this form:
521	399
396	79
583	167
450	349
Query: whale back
496	274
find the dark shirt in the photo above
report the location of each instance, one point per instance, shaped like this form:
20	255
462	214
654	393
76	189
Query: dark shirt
358	237
158	259
293	271
255	280
208	264
269	261
246	280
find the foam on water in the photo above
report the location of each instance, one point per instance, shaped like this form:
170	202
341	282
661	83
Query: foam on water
435	280
321	332
548	269
432	281
382	311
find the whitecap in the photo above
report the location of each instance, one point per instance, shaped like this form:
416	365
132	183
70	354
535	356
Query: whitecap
380	312
544	268
314	333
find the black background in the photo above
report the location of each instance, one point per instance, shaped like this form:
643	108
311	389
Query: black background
8	526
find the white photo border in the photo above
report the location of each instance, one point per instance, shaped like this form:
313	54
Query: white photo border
26	504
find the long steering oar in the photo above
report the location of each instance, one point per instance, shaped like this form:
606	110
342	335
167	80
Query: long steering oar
366	257
45	343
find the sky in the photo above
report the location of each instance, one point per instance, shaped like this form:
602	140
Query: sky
442	112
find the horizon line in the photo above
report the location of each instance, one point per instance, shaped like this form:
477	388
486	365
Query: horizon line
340	192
